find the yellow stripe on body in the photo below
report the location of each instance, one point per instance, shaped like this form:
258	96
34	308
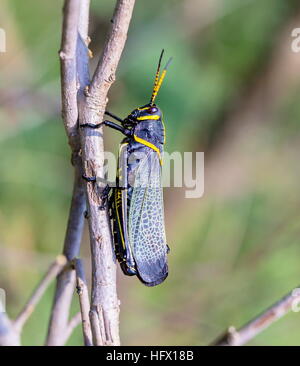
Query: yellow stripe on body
144	118
118	200
117	203
148	144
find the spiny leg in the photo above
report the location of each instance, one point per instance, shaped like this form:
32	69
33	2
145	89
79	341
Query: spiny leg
89	179
110	124
114	116
104	197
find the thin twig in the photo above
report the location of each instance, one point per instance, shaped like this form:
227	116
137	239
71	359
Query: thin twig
68	330
104	301
66	280
76	320
73	323
238	337
84	302
53	271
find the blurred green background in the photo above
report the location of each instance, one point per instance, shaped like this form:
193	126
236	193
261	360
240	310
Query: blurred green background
232	92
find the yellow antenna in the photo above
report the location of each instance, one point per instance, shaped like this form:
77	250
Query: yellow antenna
156	76
159	80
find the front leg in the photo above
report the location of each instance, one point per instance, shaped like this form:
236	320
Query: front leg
110	124
114	116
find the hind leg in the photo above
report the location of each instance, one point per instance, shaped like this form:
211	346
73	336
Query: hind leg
105	197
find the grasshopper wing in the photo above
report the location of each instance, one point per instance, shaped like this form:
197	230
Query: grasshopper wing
146	226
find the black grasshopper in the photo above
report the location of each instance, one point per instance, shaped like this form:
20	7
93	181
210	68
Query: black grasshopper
136	203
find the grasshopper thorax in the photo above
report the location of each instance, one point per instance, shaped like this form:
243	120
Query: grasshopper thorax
146	112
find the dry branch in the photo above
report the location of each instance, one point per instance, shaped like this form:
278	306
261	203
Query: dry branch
10	331
104	301
69	82
89	105
66	280
84	302
73	323
68	71
238	337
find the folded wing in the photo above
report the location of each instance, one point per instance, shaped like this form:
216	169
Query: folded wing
146	222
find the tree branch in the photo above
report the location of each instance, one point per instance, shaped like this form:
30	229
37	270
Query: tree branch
66	280
68	60
234	337
73	323
104	302
67	54
10	331
84	302
53	271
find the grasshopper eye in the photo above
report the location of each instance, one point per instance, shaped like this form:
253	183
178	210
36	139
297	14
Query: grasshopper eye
152	110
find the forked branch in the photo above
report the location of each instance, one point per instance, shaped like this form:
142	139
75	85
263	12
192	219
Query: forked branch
10	331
